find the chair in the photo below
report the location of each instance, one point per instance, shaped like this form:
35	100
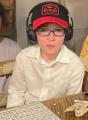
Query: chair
6	70
6	67
3	100
85	82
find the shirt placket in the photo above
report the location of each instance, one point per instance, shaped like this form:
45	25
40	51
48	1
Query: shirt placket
46	78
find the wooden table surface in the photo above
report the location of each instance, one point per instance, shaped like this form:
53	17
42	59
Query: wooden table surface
59	105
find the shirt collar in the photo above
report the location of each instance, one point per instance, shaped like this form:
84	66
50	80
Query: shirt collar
33	52
63	56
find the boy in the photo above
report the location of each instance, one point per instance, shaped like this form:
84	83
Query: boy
47	69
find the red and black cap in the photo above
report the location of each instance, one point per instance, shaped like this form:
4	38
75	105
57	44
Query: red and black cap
49	12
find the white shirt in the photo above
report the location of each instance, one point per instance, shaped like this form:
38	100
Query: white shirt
8	51
35	80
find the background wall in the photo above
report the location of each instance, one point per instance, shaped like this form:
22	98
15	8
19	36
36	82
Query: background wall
78	9
8	21
22	9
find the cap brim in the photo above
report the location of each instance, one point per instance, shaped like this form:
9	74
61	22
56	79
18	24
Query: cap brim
51	19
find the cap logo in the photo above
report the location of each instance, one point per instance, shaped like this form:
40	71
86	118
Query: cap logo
51	9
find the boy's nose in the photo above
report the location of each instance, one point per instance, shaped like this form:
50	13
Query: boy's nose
51	36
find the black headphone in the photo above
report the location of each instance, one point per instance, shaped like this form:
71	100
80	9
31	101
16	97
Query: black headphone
32	36
69	31
30	33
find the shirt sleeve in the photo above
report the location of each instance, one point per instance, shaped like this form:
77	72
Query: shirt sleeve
17	87
75	85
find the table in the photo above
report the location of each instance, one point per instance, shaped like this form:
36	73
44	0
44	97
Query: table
57	105
60	104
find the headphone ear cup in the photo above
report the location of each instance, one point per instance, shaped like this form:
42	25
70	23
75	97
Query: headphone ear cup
69	33
31	35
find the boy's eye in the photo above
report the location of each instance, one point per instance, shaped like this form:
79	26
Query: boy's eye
58	30
46	32
43	30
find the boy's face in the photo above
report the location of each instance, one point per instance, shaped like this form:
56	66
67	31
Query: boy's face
50	42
